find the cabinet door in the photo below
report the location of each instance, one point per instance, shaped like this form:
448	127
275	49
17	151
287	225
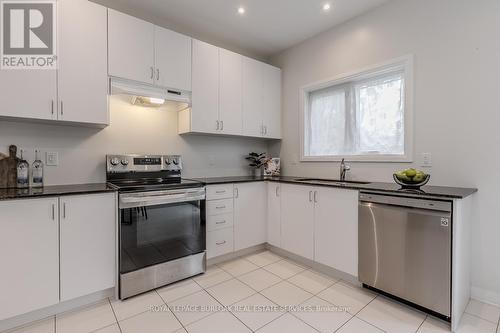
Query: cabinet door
230	113
29	253
252	98
82	75
297	217
205	97
172	59
272	101
250	215
274	214
88	243
336	229
130	47
41	87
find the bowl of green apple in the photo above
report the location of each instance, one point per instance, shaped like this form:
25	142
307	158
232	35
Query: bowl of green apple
411	178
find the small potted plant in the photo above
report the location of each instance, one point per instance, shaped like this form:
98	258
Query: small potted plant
257	161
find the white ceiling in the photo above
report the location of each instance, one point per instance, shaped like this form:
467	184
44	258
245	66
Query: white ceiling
267	27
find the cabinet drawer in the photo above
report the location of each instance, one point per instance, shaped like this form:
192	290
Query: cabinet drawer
223	191
221	221
217	207
219	242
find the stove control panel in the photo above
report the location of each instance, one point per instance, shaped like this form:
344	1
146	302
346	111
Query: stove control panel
143	163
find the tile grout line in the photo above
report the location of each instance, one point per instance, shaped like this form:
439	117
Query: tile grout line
172	312
114	314
422	323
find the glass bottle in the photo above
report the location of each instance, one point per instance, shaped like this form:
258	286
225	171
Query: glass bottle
22	172
37	172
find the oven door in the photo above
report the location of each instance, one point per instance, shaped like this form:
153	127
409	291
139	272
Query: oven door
160	226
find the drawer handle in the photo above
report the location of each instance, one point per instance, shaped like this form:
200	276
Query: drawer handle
221	222
220	207
221	243
220	192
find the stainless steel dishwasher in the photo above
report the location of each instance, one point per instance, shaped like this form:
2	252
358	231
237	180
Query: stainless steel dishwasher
405	249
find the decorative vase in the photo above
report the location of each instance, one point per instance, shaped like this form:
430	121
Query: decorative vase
257	172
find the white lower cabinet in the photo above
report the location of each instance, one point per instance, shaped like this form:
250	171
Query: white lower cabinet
250	216
297	220
63	248
274	214
220	220
219	242
336	228
29	253
87	229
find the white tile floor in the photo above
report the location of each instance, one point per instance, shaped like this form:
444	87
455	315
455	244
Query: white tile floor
253	287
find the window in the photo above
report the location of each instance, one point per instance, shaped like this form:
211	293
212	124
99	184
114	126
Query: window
364	117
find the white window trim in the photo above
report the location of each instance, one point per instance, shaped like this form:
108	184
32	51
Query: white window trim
406	64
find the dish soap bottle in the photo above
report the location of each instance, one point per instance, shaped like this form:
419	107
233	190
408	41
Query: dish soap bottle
22	172
37	172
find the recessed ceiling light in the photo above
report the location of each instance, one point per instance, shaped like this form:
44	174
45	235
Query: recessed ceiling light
326	7
241	10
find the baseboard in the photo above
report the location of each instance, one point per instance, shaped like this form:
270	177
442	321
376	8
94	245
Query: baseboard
329	271
30	317
485	296
234	255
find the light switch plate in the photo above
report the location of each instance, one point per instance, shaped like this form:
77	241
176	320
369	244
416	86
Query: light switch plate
426	160
52	158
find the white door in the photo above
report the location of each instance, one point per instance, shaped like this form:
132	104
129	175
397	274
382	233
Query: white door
252	97
82	75
230	113
205	97
336	229
88	244
272	101
172	59
297	220
29	253
130	47
39	85
250	204
274	214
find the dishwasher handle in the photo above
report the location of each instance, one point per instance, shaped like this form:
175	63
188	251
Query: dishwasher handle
416	203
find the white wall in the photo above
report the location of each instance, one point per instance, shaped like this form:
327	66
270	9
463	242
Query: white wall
133	129
457	55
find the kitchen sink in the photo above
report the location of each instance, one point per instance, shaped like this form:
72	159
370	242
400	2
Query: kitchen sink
330	181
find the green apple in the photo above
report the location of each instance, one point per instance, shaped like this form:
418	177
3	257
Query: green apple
411	173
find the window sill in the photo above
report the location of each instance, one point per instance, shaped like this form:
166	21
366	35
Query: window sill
358	158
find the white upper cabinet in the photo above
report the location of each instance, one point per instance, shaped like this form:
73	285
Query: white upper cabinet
29	94
261	99
172	59
297	219
88	241
82	75
336	228
77	91
205	99
230	108
30	274
271	108
130	47
253	97
274	214
250	202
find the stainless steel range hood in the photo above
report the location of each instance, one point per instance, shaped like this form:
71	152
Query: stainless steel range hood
151	96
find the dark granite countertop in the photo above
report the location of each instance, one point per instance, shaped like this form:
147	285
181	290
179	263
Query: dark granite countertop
438	192
55	190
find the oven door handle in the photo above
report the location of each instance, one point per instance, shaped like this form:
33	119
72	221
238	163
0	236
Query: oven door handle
142	200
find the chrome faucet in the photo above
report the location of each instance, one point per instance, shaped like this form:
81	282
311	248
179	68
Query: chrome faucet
343	170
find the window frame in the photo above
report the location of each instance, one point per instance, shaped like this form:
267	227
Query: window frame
404	64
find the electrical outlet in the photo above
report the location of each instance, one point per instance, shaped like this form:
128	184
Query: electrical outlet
52	158
426	160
